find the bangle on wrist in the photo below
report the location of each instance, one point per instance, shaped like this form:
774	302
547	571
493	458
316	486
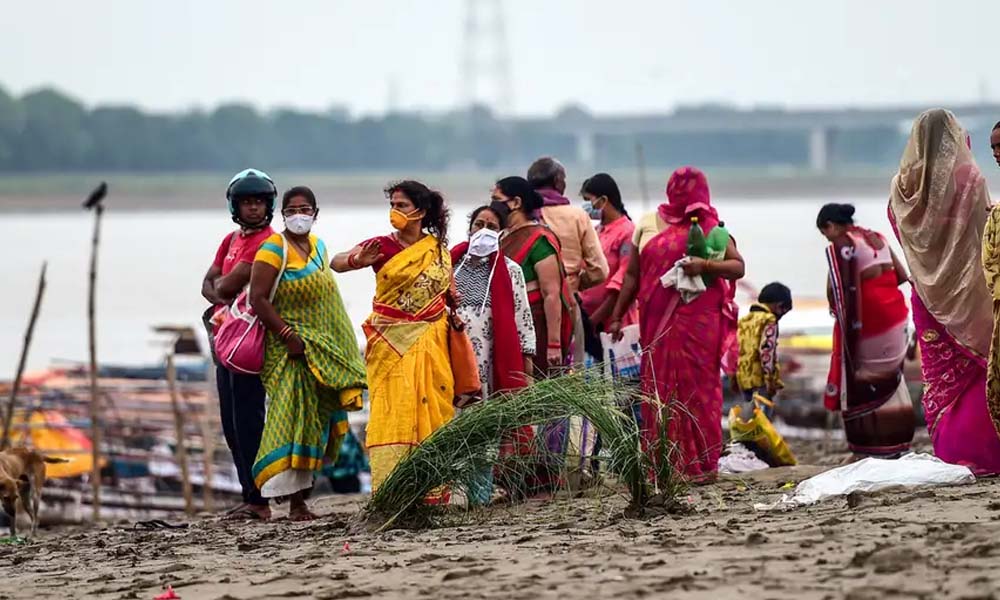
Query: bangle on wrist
556	346
352	261
286	332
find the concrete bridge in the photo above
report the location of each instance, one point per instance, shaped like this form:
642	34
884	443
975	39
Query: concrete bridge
818	125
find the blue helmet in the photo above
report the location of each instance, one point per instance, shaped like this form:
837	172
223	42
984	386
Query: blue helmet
251	183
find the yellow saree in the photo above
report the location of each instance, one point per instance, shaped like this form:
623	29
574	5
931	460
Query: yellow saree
991	266
410	384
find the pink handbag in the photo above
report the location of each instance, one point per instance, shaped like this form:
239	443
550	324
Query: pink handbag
239	344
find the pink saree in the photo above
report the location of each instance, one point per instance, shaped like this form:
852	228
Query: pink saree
938	207
684	343
954	398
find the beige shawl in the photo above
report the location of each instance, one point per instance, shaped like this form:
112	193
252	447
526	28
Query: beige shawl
940	203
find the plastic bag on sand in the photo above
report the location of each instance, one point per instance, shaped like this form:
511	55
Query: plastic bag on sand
872	475
740	459
759	433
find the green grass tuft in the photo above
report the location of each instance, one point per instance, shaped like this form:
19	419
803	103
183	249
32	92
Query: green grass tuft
458	453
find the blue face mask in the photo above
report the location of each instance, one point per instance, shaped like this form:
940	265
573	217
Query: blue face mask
594	213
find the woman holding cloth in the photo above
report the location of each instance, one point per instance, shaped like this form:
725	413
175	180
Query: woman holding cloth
939	205
684	342
410	383
866	382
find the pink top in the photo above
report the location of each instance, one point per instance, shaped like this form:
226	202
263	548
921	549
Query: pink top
616	243
866	256
238	248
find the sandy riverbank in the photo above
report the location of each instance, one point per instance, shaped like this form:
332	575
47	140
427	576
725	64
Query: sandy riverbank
195	191
912	544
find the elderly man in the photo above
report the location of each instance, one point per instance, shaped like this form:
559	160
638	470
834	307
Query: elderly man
582	255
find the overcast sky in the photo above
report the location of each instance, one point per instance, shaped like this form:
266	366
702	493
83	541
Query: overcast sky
609	55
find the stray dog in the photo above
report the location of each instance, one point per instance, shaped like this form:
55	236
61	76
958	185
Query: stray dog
22	475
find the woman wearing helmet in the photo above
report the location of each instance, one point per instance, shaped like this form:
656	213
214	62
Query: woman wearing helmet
251	196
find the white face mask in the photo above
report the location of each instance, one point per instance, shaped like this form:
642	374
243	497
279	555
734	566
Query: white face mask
299	224
484	242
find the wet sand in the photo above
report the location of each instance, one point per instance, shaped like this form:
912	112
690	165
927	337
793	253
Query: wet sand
926	544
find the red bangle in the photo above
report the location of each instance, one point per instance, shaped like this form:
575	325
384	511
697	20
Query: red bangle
352	261
555	346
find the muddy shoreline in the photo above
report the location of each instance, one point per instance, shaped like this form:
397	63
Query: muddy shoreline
930	543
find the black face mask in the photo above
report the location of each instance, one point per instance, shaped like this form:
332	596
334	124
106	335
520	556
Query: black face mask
501	209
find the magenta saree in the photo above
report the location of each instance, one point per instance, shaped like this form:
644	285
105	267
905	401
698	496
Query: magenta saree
938	206
683	358
954	397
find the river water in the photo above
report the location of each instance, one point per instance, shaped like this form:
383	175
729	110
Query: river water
152	263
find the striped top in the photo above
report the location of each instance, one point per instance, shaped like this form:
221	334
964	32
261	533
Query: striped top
271	251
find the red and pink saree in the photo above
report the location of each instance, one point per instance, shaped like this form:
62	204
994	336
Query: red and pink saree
939	206
684	343
869	346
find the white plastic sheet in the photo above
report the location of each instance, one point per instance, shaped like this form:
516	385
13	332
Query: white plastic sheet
740	459
872	475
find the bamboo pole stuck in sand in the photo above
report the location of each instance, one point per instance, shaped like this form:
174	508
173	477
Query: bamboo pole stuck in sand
211	416
94	202
208	454
9	413
181	448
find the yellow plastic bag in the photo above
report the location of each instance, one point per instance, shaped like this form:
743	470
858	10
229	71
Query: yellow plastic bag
760	433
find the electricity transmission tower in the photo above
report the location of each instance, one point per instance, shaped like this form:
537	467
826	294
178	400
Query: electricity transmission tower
484	76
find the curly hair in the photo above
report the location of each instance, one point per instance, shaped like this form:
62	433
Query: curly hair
436	212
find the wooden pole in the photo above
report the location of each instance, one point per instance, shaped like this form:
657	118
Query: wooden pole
93	202
9	413
181	448
95	406
208	454
211	417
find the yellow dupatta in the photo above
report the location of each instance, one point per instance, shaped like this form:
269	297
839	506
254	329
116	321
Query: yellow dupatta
410	384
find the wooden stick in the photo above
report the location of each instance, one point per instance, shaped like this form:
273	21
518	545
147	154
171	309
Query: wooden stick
95	407
9	414
181	449
212	415
208	453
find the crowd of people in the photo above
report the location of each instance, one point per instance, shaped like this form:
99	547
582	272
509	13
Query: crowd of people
539	288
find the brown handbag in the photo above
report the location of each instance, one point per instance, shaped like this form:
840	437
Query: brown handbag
464	368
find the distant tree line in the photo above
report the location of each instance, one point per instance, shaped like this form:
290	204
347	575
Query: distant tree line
46	130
